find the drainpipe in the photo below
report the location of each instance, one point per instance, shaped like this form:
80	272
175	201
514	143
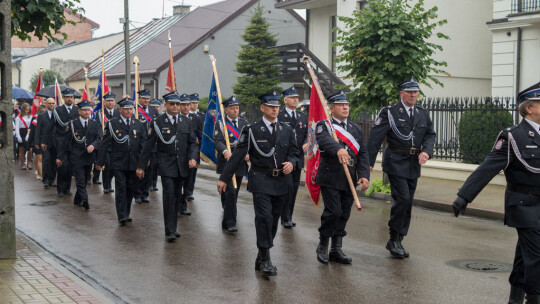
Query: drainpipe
156	82
18	67
518	68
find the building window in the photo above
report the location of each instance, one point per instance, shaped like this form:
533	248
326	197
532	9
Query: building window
334	39
361	5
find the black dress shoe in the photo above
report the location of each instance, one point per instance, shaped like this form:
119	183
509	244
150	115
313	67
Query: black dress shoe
106	191
111	190
185	212
123	222
171	238
336	254
190	198
232	230
77	203
293	224
46	186
138	200
68	193
96	183
154	189
145	199
52	185
322	250
85	205
60	194
177	234
88	183
129	219
395	251
405	252
288	224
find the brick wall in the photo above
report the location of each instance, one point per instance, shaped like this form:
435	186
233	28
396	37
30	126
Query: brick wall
81	31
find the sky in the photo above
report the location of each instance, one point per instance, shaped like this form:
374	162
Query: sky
108	12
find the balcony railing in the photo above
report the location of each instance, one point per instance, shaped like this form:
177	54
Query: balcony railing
525	6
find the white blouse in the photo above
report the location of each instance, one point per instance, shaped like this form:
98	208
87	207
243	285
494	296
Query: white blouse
20	125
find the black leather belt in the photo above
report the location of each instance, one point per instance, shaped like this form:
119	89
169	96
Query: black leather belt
410	151
523	189
272	172
335	161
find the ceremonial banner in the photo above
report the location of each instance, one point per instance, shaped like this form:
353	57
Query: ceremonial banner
98	99
39	86
85	92
213	114
313	158
171	76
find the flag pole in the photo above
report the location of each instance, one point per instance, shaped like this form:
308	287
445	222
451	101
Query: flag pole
136	86
59	92
317	86
102	89
171	63
225	131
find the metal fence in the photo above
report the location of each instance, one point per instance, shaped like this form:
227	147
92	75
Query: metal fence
524	6
446	115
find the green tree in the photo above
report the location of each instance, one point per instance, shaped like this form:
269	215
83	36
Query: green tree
384	44
41	18
256	61
48	77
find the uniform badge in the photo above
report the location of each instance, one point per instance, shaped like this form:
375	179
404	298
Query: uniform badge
319	129
498	145
166	120
378	121
280	128
116	131
230	135
241	139
300	125
134	132
262	129
401	110
216	132
119	134
168	131
531	133
286	115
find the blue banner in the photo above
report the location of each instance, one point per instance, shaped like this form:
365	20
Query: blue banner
213	114
98	98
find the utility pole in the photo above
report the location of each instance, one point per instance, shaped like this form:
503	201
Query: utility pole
7	197
126	45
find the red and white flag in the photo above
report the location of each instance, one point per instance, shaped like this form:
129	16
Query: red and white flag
37	99
313	159
171	76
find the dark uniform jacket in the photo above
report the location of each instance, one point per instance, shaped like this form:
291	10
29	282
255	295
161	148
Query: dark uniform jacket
153	114
76	142
286	150
300	129
44	129
331	173
175	147
61	120
401	164
198	123
123	143
522	197
219	143
108	116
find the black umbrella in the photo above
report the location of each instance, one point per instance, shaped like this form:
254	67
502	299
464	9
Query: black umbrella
48	91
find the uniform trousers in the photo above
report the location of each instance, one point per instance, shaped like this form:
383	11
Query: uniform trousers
288	209
49	166
190	187
336	213
154	169
184	191
172	195
526	271
125	183
143	189
403	193
108	173
228	201
95	174
63	180
81	174
268	209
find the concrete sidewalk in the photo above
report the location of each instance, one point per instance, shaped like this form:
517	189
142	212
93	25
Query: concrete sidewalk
35	277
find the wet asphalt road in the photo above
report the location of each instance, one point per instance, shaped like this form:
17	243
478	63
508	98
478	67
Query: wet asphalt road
206	265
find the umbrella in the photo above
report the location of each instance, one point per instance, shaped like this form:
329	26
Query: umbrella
18	93
48	91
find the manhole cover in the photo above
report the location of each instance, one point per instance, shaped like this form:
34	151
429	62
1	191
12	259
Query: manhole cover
44	203
481	265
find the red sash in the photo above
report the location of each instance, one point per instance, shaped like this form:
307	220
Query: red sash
233	130
347	138
145	115
24	122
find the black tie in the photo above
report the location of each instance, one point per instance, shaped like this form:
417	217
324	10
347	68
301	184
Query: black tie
411	114
174	122
110	114
128	122
343	125
69	110
273	125
234	124
85	126
294	117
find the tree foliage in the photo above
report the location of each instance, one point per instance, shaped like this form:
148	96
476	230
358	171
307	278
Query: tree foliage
256	61
383	45
41	18
48	77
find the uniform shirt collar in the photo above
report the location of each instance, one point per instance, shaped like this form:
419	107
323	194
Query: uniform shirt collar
69	107
50	113
289	111
171	118
267	123
194	112
406	107
231	120
126	119
83	120
345	121
533	125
